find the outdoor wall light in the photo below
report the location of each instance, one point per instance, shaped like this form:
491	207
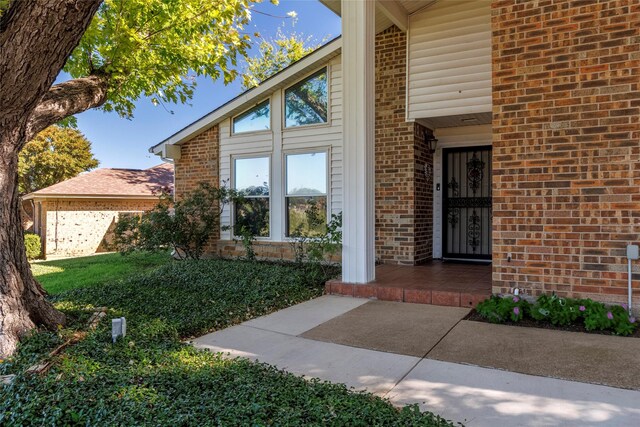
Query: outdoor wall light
432	143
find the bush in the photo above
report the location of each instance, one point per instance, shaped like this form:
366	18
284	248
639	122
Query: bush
33	245
184	226
558	311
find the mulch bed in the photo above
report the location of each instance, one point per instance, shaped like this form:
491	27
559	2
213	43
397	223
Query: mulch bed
531	323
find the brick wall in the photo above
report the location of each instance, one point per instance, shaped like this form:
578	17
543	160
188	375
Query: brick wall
423	195
566	155
403	209
75	227
199	162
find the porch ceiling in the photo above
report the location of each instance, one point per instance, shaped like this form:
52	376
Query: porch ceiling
456	121
407	7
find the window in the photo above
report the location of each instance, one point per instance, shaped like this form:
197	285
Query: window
306	193
306	101
256	119
251	179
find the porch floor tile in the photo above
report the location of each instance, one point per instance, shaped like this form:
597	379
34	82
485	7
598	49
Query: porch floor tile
438	283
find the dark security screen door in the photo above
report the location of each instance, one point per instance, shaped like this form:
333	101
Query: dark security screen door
467	203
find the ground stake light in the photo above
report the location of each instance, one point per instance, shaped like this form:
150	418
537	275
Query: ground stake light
118	328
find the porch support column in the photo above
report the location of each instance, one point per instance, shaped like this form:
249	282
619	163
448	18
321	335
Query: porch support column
358	87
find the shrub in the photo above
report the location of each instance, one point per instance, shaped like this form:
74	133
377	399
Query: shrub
317	246
33	245
185	226
558	311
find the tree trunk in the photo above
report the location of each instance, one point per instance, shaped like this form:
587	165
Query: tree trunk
36	38
22	299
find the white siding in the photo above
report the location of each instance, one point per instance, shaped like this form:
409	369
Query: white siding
463	136
279	141
449	60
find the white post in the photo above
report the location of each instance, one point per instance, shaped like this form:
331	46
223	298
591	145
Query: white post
358	89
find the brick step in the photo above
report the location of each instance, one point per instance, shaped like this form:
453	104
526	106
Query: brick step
410	295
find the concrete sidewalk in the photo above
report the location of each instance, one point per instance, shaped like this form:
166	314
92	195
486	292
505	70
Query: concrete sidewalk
473	395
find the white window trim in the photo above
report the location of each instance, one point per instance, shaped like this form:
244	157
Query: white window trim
285	153
283	105
253	132
232	178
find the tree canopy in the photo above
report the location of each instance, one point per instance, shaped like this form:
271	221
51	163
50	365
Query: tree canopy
116	51
274	55
54	155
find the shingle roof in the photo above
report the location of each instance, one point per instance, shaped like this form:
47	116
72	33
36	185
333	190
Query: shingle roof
107	182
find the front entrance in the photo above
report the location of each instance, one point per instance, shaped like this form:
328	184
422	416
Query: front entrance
467	203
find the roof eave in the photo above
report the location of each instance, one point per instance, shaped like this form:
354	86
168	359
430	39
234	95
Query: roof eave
35	196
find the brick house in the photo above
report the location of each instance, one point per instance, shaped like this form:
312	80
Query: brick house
76	217
503	132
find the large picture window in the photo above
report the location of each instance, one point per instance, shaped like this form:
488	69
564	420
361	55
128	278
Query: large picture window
306	193
256	119
251	180
306	101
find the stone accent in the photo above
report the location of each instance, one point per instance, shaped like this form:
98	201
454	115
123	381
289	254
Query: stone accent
199	162
265	250
77	227
404	208
566	157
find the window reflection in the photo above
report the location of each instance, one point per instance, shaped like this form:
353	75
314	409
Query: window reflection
306	102
255	119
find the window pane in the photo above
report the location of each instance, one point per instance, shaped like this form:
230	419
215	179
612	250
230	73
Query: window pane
306	102
252	215
307	174
306	215
257	118
252	176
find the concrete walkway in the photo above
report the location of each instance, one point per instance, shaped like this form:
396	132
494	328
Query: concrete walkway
473	395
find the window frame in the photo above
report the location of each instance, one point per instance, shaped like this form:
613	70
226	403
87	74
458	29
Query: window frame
285	172
283	106
233	133
232	207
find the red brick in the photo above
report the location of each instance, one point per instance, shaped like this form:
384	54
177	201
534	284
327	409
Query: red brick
447	298
364	291
417	296
389	294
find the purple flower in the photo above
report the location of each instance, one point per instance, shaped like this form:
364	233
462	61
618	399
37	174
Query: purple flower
516	299
632	319
625	306
582	308
609	315
516	311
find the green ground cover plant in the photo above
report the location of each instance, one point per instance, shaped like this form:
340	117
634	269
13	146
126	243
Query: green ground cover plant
153	377
593	315
64	274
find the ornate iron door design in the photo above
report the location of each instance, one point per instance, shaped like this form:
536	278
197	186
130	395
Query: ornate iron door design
467	203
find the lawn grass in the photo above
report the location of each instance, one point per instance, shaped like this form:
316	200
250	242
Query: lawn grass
153	378
62	275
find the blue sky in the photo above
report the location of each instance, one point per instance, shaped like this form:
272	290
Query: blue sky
122	143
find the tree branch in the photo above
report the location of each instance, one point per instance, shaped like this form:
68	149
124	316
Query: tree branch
65	99
30	61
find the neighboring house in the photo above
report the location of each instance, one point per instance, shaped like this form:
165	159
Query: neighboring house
502	131
77	216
